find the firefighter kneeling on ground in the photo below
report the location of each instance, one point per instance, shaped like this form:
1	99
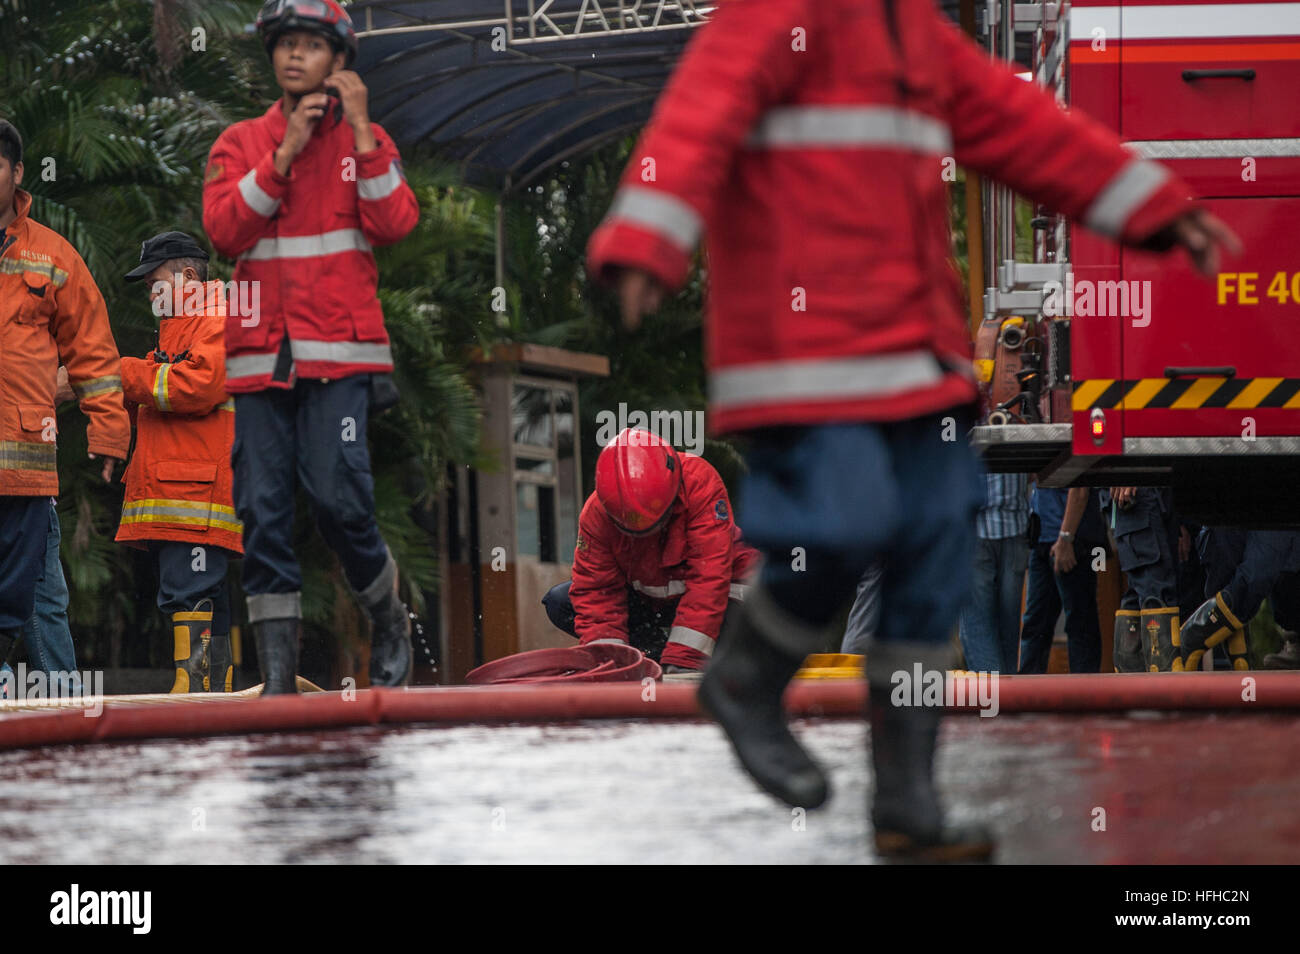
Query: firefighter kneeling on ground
1242	568
178	483
657	547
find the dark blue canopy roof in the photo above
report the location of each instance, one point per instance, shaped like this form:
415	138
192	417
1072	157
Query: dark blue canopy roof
442	76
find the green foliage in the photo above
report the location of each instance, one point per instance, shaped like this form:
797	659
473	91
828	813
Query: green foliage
658	367
118	111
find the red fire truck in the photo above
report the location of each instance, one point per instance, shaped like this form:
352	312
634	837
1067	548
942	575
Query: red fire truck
1106	366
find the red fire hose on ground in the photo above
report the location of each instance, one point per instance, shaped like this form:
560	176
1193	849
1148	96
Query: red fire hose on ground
565	700
596	662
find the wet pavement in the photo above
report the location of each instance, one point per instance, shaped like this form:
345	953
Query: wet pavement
1146	788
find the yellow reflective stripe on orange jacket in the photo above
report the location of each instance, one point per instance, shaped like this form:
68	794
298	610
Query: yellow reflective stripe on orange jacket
17	265
93	386
188	512
161	396
28	455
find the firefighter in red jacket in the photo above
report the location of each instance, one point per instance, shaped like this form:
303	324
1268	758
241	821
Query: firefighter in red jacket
300	195
657	550
178	494
808	139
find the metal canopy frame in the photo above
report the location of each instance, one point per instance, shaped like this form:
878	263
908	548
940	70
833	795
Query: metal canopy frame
507	89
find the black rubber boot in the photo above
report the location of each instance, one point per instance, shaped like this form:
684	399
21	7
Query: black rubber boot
390	643
390	634
1160	638
1127	651
191	635
1287	656
905	812
221	664
277	654
742	689
1212	623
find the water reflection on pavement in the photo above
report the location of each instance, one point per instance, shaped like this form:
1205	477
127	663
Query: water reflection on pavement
1169	790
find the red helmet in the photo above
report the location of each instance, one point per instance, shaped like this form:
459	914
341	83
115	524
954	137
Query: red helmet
325	17
637	479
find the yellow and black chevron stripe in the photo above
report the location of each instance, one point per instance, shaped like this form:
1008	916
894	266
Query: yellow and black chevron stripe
1186	393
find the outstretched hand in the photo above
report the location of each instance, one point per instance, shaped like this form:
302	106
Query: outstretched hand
639	294
1202	235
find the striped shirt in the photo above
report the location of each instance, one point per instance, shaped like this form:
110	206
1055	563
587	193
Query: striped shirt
1006	507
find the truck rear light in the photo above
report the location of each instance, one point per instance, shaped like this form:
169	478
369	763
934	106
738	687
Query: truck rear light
1097	424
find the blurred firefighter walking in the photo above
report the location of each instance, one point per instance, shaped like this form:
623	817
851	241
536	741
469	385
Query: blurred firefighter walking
806	139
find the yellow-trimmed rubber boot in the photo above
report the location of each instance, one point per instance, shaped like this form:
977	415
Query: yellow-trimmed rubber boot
1127	651
1212	623
191	634
221	664
1238	647
1160	638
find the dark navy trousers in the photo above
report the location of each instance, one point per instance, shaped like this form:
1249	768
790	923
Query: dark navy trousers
824	502
24	528
314	435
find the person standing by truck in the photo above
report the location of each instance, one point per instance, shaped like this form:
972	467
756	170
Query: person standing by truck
300	195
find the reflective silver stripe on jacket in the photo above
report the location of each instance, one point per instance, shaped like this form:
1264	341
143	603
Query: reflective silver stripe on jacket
738	591
183	512
341	352
249	366
85	389
1215	148
28	455
307	246
674	588
255	197
1127	192
658	212
693	638
851	127
823	379
380	187
160	395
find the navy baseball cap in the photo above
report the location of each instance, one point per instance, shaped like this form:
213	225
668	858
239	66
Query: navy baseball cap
163	248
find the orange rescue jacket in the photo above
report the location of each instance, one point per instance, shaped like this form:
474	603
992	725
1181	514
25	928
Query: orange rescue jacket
51	313
178	484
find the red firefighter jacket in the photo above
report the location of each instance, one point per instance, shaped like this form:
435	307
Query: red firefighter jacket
51	312
698	557
809	139
178	483
306	240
